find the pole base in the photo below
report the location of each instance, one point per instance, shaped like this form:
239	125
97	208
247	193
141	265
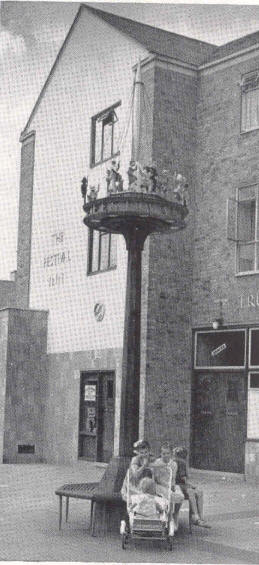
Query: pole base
110	509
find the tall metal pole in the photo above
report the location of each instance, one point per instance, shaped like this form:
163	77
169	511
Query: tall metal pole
129	415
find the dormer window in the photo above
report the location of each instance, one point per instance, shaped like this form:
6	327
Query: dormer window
105	135
250	102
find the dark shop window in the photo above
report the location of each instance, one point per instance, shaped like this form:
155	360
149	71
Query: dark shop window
254	348
220	349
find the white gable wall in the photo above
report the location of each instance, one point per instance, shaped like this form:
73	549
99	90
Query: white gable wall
94	72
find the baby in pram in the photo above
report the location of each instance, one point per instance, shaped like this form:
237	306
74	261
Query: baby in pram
147	503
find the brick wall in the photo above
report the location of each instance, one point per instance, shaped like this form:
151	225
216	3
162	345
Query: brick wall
26	379
3	368
25	221
7	294
168	339
225	160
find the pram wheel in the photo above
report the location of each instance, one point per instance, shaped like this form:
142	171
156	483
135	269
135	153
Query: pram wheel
124	539
170	542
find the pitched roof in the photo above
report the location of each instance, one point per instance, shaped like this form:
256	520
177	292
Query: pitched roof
157	40
232	47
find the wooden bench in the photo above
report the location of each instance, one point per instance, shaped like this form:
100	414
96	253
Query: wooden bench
84	491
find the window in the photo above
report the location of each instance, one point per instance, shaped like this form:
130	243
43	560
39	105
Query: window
254	348
250	102
243	228
102	254
105	135
253	406
217	349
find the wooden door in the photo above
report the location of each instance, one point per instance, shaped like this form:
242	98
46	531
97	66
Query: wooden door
96	418
219	421
88	417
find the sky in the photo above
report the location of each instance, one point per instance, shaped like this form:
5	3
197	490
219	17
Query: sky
31	34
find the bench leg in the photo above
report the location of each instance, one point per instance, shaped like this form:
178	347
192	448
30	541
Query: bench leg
91	515
190	519
93	509
67	507
60	511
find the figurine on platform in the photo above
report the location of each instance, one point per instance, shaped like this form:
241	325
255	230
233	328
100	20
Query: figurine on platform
180	188
92	193
149	178
133	176
163	181
113	178
84	185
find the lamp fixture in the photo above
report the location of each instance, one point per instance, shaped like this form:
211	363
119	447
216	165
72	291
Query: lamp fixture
217	323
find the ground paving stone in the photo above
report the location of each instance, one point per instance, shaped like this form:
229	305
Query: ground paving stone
29	521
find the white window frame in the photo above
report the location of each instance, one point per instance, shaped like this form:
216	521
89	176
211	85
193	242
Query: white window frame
250	392
218	367
254	242
248	77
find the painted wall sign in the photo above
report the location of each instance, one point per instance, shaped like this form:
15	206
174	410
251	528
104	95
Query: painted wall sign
99	311
55	261
250	301
218	350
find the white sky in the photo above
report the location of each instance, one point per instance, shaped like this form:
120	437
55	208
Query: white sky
31	34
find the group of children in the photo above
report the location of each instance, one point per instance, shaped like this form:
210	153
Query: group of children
148	484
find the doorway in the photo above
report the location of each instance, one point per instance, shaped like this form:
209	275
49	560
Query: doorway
96	417
219	414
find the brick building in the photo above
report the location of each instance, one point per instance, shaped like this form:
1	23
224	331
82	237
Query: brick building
61	339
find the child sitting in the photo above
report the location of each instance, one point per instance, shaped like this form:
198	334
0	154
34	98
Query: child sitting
146	503
138	469
161	470
190	492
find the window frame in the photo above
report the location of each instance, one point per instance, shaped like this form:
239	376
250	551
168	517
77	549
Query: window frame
94	121
244	78
219	367
90	253
252	368
250	393
255	242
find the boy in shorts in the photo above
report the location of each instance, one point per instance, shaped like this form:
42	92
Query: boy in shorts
190	492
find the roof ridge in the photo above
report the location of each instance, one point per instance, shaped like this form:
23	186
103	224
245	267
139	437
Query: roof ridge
246	36
99	12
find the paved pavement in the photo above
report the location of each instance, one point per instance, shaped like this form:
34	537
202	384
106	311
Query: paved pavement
29	521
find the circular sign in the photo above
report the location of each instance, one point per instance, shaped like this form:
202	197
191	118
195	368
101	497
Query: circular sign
99	311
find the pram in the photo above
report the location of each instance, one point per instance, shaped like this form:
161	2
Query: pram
156	527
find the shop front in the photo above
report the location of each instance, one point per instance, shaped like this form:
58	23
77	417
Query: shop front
225	398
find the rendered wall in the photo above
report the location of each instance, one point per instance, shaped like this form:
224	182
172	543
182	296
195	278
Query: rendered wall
61	420
26	380
94	71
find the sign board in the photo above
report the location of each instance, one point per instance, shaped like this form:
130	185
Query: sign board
218	350
99	312
90	393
